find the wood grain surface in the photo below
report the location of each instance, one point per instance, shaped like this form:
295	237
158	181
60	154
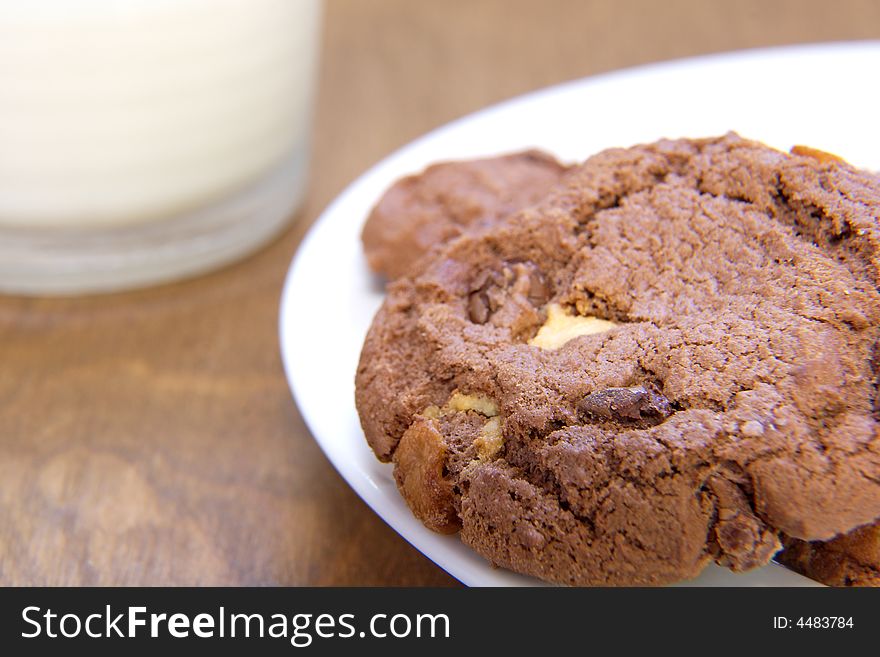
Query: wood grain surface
149	438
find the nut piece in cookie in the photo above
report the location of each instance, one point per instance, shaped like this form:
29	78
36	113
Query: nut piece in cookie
561	327
426	210
482	405
490	441
419	463
423	455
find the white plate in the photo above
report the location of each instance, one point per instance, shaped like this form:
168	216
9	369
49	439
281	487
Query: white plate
822	96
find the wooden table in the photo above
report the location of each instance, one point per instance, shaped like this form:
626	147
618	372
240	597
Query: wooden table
149	438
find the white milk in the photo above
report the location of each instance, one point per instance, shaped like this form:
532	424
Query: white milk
121	113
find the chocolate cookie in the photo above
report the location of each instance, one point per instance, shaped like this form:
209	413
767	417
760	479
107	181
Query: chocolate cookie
669	360
423	211
850	560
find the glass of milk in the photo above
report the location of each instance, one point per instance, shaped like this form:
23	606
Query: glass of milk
146	140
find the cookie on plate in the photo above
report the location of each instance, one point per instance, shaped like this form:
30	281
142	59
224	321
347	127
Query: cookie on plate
670	360
423	211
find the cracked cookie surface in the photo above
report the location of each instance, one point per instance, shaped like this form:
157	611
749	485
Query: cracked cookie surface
729	398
